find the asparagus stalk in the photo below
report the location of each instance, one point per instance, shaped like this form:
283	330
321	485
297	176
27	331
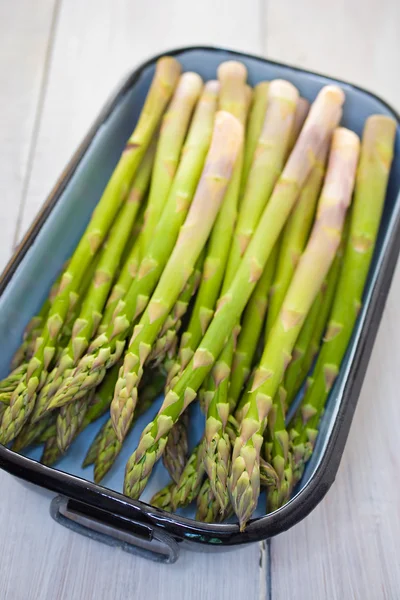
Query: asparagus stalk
30	432
275	138
163	498
109	446
89	318
51	452
93	449
311	270
268	161
371	184
167	339
186	490
173	130
253	320
311	333
322	118
24	397
11	381
47	433
108	347
34	329
254	128
176	450
224	150
208	509
234	98
295	236
302	109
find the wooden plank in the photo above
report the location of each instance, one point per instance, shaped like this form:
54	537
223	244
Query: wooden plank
42	560
349	546
25	38
93	52
97	42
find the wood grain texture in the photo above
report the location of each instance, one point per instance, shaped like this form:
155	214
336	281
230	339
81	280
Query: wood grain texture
349	546
93	52
25	33
97	42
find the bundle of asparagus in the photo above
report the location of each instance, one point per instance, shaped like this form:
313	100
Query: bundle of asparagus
219	262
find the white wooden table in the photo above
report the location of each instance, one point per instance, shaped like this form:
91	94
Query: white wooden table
59	60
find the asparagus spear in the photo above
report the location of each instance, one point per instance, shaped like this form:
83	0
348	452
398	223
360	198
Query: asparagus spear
295	236
311	333
11	381
51	452
168	335
90	314
272	146
176	450
322	118
173	130
23	399
186	490
311	270
34	329
108	346
234	98
31	432
224	150
254	128
163	498
371	184
266	166
252	322
208	509
109	446
93	449
302	108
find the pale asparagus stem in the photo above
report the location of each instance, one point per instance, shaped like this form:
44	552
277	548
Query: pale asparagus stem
302	108
251	327
295	236
224	150
323	314
89	316
266	166
322	118
276	132
309	275
254	127
173	130
108	347
372	179
23	399
310	336
235	96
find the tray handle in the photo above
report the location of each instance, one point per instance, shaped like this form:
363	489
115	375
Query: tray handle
131	536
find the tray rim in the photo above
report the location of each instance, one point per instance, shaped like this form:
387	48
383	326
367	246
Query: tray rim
181	527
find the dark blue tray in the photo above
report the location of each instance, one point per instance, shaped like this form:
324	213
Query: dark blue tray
103	512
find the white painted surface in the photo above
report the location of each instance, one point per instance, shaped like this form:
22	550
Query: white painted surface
59	60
